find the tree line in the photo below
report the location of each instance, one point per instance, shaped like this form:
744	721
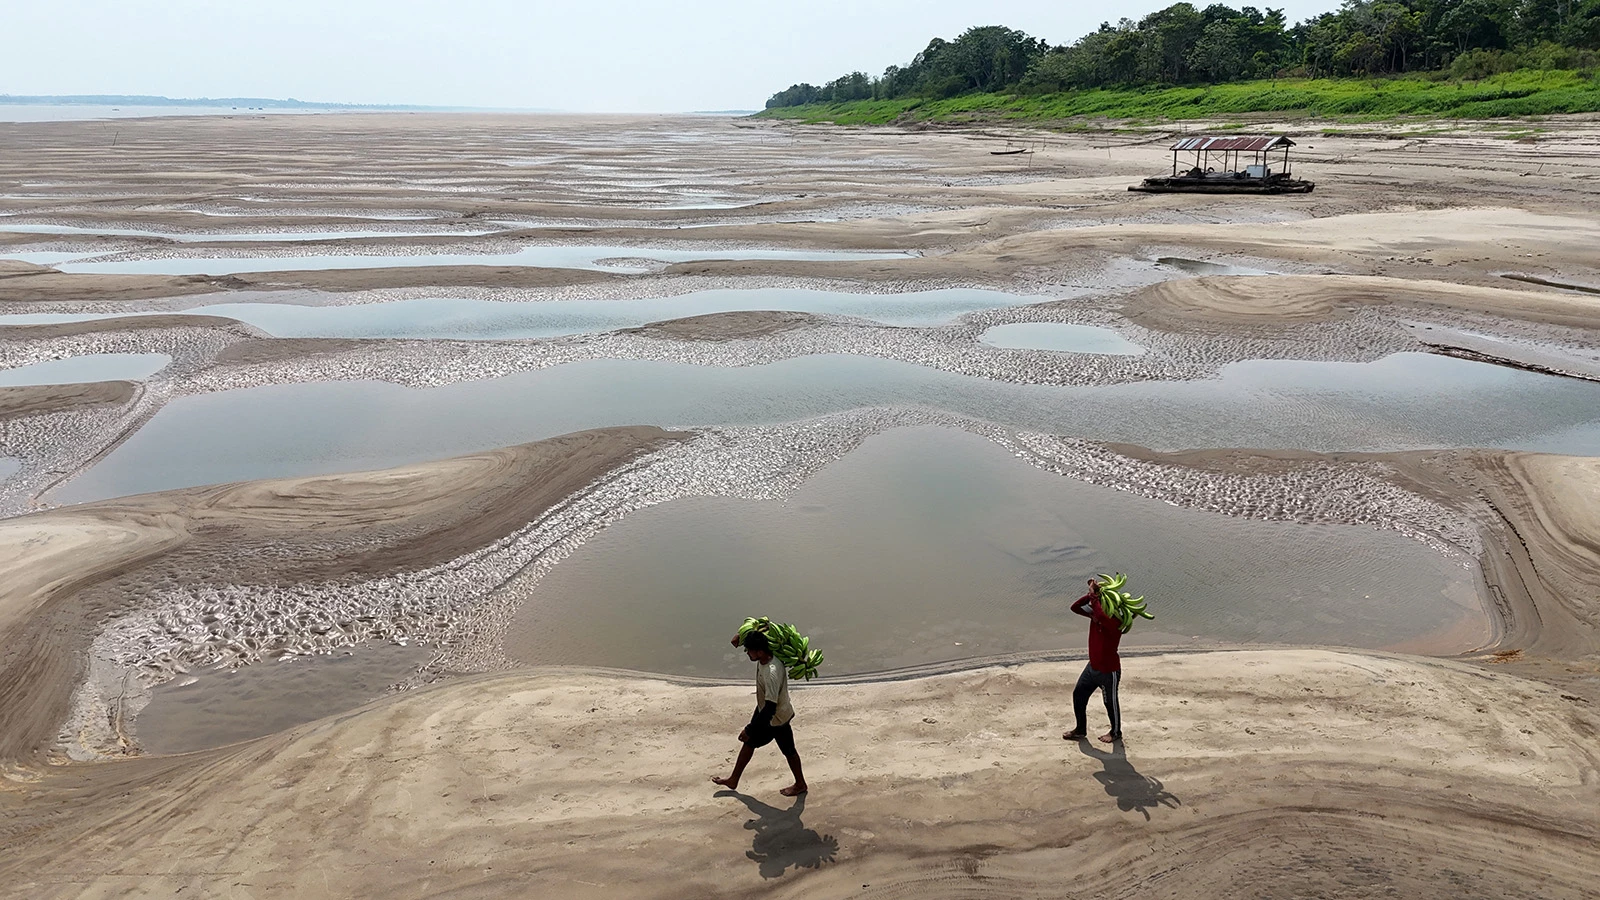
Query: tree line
1184	44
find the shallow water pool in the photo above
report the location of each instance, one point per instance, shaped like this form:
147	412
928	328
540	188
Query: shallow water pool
585	256
463	319
929	545
251	236
1061	337
214	707
40	257
1405	401
93	367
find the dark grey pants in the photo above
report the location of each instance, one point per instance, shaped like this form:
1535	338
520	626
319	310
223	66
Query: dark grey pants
1107	683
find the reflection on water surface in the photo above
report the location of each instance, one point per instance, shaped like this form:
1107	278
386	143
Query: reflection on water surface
1062	337
463	319
82	369
1405	401
563	256
928	545
216	707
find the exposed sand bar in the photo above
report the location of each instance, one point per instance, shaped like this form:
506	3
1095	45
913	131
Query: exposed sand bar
1466	244
1304	772
53	286
1463	244
1301	762
1229	302
1538	515
39	399
1285	755
1384	207
1285	773
1551	507
68	571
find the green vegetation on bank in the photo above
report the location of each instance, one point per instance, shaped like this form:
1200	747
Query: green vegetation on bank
1521	93
1367	58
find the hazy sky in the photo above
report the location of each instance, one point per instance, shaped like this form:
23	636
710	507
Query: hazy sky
581	55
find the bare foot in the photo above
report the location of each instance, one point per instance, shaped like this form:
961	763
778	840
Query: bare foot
793	790
731	784
1108	738
1073	736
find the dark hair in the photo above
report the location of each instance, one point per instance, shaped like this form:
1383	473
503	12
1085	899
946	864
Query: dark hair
756	642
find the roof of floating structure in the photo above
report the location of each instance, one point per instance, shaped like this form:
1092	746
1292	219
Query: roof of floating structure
1246	144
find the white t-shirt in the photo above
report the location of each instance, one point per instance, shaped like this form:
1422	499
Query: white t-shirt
772	683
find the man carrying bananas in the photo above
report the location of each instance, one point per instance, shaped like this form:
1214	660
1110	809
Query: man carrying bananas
772	716
1104	670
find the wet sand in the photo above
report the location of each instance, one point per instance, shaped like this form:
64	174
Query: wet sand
69	571
1303	760
1273	772
37	399
1232	303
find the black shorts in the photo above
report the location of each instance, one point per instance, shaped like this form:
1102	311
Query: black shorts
782	734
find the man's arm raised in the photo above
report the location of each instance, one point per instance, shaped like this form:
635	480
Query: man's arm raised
1082	605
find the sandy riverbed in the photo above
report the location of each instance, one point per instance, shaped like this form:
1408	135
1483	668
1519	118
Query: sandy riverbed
1305	772
1286	773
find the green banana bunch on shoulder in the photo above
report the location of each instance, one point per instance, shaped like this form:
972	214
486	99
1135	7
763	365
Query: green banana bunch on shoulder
1120	604
789	646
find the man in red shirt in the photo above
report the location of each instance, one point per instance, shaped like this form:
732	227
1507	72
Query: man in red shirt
1104	670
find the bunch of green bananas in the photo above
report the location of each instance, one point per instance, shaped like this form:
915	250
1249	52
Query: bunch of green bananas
1118	603
788	645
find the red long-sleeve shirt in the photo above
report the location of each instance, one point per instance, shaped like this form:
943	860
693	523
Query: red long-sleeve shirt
1105	633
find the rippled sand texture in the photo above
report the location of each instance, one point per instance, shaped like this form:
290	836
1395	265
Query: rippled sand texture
1249	770
71	571
1300	773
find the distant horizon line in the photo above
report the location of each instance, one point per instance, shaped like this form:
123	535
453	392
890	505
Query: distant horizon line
292	103
272	102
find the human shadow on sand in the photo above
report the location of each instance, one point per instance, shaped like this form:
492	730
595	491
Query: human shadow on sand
781	840
1133	790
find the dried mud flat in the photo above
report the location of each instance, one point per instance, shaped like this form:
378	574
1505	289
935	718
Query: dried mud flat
1302	772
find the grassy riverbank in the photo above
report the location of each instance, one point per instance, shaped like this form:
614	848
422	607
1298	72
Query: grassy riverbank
1524	93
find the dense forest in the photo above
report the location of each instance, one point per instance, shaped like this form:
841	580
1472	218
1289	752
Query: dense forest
1183	45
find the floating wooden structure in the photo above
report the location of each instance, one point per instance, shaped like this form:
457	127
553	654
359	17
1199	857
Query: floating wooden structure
1229	165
